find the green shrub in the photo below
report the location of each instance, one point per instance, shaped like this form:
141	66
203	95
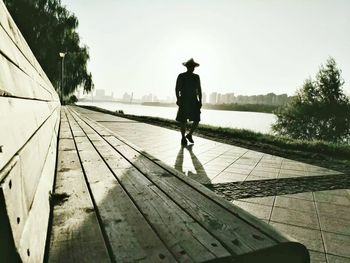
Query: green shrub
320	111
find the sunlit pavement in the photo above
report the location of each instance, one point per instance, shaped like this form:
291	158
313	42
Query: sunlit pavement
296	198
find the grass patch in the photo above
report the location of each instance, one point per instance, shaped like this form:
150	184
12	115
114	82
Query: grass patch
337	156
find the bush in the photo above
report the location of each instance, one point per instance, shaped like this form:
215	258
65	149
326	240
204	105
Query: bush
319	111
72	100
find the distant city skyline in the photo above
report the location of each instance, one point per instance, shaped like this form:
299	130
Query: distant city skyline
249	46
211	98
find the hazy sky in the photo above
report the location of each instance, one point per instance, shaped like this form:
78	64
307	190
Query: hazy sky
243	46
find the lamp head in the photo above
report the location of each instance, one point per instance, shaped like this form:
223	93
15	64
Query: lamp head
62	54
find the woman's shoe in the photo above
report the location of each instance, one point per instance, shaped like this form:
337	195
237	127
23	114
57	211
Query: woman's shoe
183	141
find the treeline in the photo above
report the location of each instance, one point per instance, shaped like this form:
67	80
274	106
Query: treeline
243	107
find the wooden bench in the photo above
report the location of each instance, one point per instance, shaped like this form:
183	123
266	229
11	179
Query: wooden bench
119	204
29	121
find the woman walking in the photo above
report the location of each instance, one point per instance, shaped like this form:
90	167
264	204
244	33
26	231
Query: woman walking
189	99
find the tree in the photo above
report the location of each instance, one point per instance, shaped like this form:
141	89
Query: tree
49	28
319	111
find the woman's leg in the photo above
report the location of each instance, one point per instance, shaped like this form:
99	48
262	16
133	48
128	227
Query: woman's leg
183	129
193	127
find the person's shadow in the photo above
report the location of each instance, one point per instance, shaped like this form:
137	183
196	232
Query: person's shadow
200	175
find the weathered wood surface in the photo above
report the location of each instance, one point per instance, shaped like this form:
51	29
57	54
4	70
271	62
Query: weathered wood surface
75	225
20	119
20	67
29	123
149	213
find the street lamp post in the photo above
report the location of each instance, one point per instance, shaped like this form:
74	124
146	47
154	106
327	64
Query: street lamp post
62	55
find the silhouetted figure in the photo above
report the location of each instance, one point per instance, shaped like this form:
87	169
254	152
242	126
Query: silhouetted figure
189	99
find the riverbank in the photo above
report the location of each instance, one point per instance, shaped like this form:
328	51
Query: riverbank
333	156
228	107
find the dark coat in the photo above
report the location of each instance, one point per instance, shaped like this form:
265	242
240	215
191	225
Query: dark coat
188	91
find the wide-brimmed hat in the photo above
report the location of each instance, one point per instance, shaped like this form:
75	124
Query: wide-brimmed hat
190	62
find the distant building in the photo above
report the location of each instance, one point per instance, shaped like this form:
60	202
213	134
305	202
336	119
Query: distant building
100	93
147	98
126	97
204	97
170	99
213	97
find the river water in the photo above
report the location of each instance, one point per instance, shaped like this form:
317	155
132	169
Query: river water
255	121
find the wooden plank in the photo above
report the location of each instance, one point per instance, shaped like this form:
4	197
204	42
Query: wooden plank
35	149
17	210
4	171
16	83
14	188
33	238
18	123
75	234
29	223
184	236
8	48
131	237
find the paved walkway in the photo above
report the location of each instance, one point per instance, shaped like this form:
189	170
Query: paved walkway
296	198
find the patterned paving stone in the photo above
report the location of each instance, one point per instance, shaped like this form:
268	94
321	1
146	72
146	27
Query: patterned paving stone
337	259
260	211
305	196
226	177
332	210
333	199
342	192
312	239
335	224
337	244
261	200
293	217
264	175
317	257
295	204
